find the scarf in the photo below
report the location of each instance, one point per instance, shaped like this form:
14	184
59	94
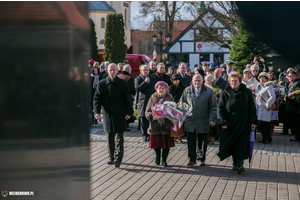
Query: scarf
96	80
161	75
161	100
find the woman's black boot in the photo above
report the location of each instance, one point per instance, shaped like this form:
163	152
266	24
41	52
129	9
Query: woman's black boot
165	154
240	165
157	158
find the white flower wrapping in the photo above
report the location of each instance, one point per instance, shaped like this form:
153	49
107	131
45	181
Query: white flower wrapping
170	110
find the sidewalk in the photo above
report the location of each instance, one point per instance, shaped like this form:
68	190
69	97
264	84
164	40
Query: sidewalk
274	172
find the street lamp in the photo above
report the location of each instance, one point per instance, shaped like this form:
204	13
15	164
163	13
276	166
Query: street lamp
167	38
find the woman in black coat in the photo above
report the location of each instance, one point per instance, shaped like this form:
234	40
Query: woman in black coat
95	78
176	89
237	113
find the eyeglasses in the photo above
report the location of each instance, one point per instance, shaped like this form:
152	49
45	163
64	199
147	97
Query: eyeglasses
254	70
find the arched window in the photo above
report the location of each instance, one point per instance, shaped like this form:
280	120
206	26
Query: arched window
102	23
101	42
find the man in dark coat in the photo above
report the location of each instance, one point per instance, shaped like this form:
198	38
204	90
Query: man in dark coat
185	79
205	66
220	82
126	76
229	69
160	74
292	106
144	86
152	66
112	95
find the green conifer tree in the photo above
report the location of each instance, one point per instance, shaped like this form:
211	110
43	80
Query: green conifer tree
245	47
114	47
94	46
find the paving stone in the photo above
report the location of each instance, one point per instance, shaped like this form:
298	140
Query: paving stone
274	172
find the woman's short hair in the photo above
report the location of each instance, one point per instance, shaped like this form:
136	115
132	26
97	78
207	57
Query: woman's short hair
96	63
234	75
254	67
272	75
141	66
171	69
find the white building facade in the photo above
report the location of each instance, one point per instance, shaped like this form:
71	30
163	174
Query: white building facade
189	48
98	13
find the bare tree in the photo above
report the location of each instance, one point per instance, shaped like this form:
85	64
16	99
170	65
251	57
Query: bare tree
168	10
217	22
224	12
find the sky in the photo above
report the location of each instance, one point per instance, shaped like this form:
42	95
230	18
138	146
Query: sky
143	23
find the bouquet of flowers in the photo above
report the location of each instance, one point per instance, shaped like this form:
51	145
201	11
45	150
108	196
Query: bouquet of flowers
170	110
217	91
295	95
136	111
280	91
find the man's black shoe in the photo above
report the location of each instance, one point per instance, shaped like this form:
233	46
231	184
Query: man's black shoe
283	133
294	140
110	162
145	138
127	129
261	141
117	163
267	142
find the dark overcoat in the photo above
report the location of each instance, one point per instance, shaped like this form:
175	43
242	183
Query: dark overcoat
144	91
166	78
237	111
112	96
129	78
176	92
292	106
221	83
186	81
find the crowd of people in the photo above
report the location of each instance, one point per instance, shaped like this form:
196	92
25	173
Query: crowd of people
223	104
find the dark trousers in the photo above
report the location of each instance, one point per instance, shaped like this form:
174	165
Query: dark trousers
144	126
294	120
288	123
200	140
115	146
265	129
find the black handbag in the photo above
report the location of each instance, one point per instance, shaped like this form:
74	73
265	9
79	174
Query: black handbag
131	119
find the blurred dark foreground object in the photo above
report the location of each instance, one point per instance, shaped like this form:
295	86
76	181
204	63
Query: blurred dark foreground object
44	99
277	24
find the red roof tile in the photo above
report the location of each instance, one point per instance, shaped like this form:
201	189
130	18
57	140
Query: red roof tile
43	10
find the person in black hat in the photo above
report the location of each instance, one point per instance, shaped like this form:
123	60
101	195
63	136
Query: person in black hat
210	71
229	69
223	67
176	89
200	71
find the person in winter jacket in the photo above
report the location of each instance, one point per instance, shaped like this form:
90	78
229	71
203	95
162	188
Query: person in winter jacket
264	98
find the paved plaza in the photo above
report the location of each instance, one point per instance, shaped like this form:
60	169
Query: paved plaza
274	171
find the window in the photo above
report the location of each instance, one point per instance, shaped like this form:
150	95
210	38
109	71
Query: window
102	23
101	42
145	46
218	59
